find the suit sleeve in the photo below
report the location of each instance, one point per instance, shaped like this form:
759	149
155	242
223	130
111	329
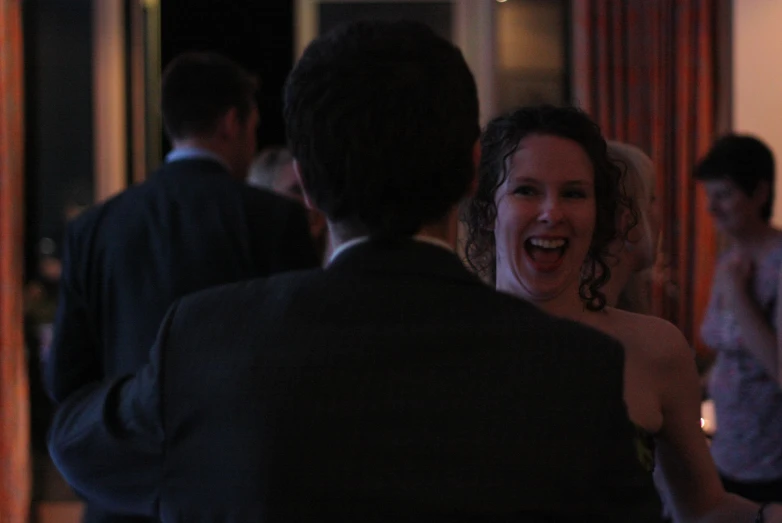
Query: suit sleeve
73	359
107	438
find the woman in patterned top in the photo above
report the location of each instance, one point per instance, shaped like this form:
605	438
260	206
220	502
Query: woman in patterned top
542	225
743	320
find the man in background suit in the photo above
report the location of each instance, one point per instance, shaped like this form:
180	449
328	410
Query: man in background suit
392	385
193	224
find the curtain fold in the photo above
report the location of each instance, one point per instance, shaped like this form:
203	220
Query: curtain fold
15	471
645	71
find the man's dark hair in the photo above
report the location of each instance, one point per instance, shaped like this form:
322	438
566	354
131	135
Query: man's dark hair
382	118
499	143
199	88
743	160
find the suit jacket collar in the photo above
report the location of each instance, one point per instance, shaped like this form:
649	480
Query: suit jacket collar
362	239
196	153
189	167
404	257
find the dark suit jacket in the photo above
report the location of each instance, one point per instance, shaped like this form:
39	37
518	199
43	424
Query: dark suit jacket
189	227
391	386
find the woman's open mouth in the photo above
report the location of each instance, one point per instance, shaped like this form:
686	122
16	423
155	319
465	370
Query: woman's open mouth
546	254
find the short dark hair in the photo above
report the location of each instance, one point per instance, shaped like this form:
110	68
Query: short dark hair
198	88
499	143
382	118
744	160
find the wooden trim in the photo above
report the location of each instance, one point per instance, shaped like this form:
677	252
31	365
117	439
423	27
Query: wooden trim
152	77
474	24
109	98
15	471
305	27
138	89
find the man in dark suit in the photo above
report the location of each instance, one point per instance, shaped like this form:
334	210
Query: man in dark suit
390	386
194	224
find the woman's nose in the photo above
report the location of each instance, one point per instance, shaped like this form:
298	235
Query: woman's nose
551	211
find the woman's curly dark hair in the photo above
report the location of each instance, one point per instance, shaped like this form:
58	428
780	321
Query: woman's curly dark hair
499	143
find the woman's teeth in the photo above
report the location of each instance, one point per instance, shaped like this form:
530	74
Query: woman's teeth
547	243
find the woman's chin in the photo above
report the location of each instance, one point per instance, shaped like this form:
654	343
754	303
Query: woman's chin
526	282
544	287
544	294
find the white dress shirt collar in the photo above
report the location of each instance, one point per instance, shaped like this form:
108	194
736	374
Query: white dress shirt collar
362	239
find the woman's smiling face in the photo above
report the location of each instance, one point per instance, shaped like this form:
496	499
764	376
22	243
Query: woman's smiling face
546	216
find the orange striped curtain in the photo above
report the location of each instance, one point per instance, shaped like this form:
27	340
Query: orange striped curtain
645	70
15	480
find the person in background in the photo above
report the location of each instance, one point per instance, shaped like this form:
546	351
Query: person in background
272	170
192	225
743	321
391	386
544	222
635	255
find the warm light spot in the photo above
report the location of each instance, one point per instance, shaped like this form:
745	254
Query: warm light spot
703	422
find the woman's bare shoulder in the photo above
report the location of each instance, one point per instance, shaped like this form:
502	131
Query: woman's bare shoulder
655	338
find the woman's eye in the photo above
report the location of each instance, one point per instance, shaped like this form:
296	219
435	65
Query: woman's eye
575	193
524	190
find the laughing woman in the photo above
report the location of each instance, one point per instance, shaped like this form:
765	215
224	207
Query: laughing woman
542	226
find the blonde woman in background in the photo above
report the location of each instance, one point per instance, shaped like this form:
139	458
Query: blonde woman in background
637	253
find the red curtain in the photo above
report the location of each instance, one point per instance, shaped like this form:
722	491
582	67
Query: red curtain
645	70
15	477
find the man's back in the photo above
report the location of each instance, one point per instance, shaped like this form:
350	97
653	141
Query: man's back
392	386
188	228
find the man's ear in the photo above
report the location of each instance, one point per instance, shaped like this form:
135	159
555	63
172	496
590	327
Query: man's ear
229	126
305	195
